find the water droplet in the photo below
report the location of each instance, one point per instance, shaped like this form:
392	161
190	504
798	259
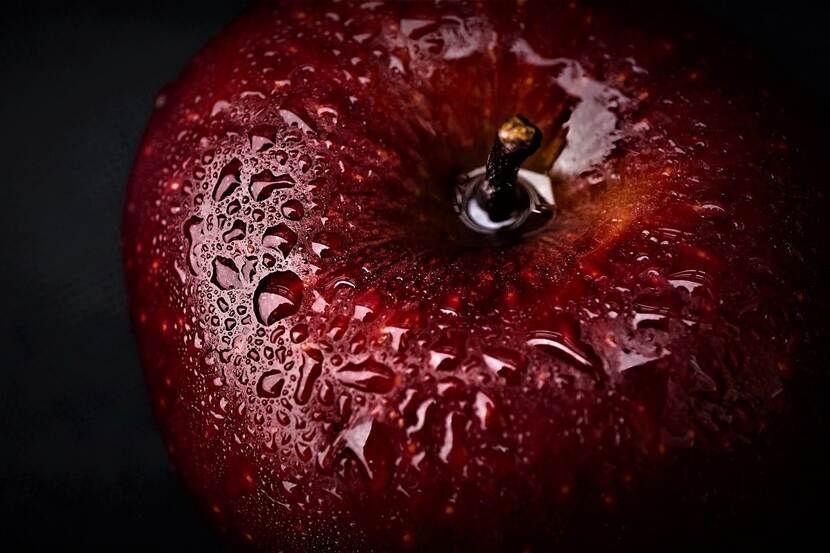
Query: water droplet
264	183
560	345
293	120
270	384
326	394
299	333
277	296
236	232
451	388
292	210
367	306
228	180
280	238
225	274
367	376
310	371
444	354
690	279
261	138
327	244
249	268
338	327
194	234
452	451
484	408
369	441
396	335
506	363
420	416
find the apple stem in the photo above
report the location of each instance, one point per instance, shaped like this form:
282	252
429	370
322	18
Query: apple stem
498	193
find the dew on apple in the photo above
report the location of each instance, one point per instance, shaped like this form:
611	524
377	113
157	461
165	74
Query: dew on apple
277	296
374	354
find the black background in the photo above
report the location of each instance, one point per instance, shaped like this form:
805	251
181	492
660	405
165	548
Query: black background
81	463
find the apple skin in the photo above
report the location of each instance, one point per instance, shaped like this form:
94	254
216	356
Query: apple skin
335	368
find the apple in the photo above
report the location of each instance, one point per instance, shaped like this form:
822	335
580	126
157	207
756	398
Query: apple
467	277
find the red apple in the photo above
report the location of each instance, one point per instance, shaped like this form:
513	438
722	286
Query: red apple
339	364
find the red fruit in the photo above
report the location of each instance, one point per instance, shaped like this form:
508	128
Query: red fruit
336	367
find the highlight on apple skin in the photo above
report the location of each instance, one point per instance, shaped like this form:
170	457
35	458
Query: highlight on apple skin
339	363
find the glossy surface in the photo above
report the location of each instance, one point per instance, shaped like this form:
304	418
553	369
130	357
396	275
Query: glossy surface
336	367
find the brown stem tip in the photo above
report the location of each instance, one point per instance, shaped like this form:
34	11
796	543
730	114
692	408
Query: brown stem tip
516	140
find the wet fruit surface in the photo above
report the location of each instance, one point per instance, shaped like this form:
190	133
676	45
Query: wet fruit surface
337	368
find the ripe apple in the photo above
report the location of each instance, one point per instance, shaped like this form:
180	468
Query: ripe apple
467	277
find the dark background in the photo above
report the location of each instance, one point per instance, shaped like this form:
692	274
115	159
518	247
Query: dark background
81	463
